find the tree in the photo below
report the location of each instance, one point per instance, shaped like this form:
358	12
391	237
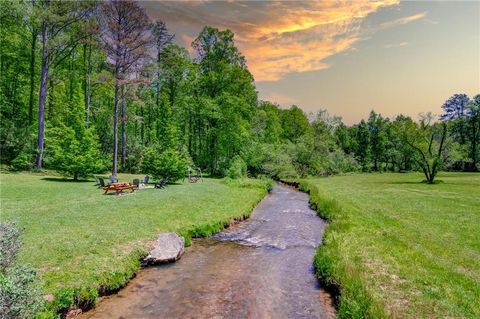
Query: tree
126	40
378	139
463	114
170	163
429	142
73	153
363	151
56	19
473	124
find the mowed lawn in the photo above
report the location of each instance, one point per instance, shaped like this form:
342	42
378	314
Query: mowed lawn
415	247
77	237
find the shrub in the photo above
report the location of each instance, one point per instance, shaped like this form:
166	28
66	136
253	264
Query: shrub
171	163
73	153
19	294
23	162
238	168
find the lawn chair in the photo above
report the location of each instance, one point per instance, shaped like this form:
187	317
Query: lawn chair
146	179
101	182
97	181
113	179
162	183
136	183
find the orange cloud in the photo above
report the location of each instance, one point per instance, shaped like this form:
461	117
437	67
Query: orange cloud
278	38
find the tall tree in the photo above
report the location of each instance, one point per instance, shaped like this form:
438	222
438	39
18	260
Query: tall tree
126	41
57	22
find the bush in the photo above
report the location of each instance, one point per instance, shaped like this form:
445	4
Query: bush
73	153
23	162
19	294
171	163
238	168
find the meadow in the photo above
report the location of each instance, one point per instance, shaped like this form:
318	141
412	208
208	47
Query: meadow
396	247
84	243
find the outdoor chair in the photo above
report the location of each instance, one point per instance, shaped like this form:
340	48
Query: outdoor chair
136	183
146	179
101	181
97	181
113	179
162	183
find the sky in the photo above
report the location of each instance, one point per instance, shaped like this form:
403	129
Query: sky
348	57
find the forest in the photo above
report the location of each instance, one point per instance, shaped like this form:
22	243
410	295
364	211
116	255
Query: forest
89	87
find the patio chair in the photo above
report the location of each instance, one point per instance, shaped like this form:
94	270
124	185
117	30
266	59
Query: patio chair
113	179
146	179
162	183
97	181
101	182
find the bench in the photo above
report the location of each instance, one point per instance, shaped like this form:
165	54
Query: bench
118	188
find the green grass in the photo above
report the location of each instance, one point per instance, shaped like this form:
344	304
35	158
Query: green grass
400	248
83	242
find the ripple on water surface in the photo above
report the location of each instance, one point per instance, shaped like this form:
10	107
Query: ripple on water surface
260	268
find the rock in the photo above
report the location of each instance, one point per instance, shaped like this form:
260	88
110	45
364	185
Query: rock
73	313
168	247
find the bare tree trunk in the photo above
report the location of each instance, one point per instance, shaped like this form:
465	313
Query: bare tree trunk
32	75
115	126
42	99
87	97
124	129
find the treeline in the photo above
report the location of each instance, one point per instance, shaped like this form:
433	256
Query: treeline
94	86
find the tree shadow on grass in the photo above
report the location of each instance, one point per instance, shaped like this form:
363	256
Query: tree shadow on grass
66	180
424	182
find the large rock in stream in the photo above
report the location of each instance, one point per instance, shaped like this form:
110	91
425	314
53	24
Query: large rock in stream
168	247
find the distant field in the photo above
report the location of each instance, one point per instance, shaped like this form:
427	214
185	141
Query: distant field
400	245
80	239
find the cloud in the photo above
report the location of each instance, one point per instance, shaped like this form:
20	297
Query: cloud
404	20
279	98
395	45
277	38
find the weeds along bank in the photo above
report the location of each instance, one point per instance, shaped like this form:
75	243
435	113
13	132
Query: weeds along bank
84	244
395	247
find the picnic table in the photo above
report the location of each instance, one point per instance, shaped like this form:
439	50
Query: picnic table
119	187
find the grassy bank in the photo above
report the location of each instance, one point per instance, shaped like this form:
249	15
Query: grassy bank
400	248
84	243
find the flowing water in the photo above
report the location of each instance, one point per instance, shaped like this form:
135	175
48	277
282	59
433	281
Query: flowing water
260	268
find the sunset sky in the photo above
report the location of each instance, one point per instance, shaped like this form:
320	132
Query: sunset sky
345	56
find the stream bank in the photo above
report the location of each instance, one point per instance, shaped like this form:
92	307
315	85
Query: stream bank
260	268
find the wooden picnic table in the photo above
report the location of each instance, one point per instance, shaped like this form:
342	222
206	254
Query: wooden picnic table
119	187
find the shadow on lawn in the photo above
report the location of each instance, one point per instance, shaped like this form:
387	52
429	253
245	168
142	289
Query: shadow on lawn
65	180
424	182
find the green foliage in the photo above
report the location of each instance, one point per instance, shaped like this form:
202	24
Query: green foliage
19	292
23	162
170	163
238	168
73	152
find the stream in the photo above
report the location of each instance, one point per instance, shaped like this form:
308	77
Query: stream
259	268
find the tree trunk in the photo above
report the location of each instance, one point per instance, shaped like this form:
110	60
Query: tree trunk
87	90
32	76
42	99
124	128
115	126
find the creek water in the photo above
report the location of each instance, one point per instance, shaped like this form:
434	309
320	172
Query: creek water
259	268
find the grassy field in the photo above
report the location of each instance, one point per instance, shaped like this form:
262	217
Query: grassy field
81	240
401	248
